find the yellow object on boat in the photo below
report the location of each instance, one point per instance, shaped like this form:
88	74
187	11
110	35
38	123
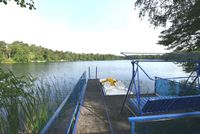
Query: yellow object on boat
110	80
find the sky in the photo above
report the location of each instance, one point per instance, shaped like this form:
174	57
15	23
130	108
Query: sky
81	26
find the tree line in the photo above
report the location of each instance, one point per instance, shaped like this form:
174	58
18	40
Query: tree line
21	52
172	56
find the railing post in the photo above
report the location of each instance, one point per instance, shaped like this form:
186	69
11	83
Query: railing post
96	72
198	74
129	88
132	127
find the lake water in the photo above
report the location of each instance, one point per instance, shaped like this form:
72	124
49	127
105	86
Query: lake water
120	70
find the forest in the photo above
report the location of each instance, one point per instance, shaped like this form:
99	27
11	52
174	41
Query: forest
19	52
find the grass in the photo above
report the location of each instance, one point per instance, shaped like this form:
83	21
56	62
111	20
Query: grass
26	103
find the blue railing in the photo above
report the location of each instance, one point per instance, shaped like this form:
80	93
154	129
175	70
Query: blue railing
73	100
77	95
135	87
133	120
135	83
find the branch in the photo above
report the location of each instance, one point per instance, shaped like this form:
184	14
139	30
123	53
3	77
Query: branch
22	3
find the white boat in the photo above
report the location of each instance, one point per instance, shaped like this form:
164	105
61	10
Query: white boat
113	87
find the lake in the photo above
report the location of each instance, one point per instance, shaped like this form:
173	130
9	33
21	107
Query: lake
69	72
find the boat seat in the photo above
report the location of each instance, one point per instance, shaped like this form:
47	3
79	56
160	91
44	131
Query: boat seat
159	104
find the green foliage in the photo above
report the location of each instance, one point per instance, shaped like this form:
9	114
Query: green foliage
22	3
2	50
22	52
144	57
26	105
12	95
183	17
184	56
19	51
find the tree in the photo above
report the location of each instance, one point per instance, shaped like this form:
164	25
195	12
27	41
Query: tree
22	3
36	53
22	52
183	17
19	51
2	50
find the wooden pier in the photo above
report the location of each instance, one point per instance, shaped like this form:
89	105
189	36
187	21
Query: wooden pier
101	114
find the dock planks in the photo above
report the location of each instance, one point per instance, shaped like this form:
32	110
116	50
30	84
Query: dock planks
101	114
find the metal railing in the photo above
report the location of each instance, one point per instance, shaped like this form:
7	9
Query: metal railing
79	88
173	116
89	73
133	120
74	100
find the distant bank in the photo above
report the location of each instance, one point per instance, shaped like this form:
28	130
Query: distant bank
20	52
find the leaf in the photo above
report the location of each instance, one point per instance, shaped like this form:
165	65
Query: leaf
5	2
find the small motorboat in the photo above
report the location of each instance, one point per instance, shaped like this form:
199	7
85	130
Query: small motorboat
113	87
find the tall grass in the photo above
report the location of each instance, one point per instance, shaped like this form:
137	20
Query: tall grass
26	103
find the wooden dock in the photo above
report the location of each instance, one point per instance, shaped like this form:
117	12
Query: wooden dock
101	114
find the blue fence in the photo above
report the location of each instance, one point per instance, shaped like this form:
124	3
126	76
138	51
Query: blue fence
76	99
136	119
73	101
176	93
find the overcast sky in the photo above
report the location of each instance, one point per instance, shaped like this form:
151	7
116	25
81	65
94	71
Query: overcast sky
88	26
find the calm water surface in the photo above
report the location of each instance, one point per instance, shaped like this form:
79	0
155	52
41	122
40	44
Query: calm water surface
121	70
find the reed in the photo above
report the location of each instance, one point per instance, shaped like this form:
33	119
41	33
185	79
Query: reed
26	103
